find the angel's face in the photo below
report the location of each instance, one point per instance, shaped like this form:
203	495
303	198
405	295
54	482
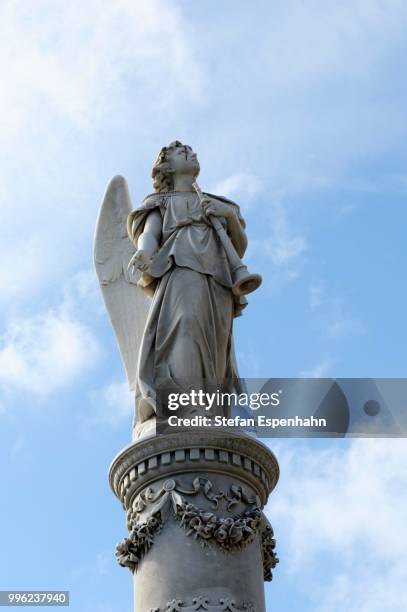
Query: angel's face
183	160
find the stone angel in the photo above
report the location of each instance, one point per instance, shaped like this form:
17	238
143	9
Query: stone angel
172	281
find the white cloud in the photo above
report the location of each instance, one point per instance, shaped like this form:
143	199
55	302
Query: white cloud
81	289
248	358
321	369
345	327
340	324
309	104
73	75
283	245
98	567
66	59
372	589
332	313
25	270
346	503
242	186
45	352
326	38
18	445
316	295
280	242
113	406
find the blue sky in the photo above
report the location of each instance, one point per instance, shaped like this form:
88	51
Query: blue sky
297	111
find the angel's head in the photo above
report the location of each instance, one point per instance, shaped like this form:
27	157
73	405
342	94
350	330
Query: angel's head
176	159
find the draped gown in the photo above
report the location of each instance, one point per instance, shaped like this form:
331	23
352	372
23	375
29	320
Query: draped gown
187	342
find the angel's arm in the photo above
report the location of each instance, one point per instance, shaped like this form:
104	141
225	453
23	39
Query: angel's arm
235	228
148	242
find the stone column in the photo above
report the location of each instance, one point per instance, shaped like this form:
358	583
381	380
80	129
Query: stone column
198	539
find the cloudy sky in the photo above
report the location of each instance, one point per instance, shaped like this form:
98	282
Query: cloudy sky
297	112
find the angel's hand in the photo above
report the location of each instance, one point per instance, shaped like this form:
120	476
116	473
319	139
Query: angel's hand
216	208
140	260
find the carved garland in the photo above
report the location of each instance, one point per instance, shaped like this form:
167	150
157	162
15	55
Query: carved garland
268	545
170	491
202	603
151	510
131	550
232	533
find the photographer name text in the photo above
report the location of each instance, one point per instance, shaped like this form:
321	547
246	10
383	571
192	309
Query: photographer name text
238	421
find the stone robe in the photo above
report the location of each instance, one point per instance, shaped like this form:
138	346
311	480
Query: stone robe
187	342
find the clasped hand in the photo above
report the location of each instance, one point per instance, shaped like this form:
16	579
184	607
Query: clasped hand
140	260
215	208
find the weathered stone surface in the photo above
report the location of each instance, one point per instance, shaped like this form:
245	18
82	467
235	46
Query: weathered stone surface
261	472
200	518
178	242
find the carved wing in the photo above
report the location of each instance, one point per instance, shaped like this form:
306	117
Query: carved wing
126	303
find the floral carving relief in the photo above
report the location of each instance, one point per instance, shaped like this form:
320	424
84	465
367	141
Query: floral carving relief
268	545
202	603
152	509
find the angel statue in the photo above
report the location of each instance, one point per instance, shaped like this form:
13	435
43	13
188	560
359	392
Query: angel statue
172	280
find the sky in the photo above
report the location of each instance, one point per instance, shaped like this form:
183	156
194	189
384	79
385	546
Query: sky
297	112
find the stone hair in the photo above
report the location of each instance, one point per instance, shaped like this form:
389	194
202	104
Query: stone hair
162	171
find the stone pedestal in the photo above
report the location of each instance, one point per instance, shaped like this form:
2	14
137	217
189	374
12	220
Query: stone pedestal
198	539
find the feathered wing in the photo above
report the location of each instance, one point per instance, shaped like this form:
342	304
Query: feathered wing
126	303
